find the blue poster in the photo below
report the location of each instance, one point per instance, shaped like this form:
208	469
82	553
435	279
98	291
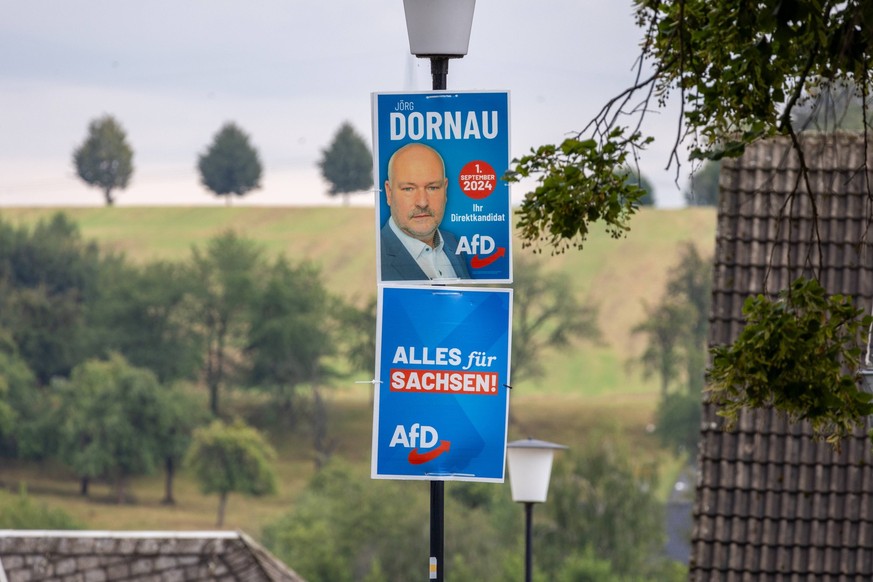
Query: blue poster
443	213
442	394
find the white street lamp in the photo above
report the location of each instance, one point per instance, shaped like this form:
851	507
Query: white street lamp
530	468
439	30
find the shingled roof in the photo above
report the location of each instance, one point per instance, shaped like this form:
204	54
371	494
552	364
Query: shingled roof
95	556
772	504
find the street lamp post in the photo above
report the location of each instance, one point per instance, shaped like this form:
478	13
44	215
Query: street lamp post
438	30
530	468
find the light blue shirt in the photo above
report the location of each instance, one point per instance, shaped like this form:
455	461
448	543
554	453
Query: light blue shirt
433	261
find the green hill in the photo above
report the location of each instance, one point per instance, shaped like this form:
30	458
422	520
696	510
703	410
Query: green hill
585	389
616	275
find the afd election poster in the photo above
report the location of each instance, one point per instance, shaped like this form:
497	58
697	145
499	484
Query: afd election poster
443	211
442	398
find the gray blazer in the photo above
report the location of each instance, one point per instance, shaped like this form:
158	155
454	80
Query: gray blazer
398	264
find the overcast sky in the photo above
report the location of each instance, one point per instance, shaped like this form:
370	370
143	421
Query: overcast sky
289	73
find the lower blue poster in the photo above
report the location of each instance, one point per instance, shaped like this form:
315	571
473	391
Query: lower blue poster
442	394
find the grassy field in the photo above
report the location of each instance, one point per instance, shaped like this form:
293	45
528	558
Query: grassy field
586	389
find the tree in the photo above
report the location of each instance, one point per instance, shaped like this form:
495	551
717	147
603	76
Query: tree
11	370
289	338
598	499
48	278
664	327
230	166
145	313
359	335
109	421
347	163
26	421
345	527
224	286
676	330
180	415
546	316
231	458
702	188
105	160
739	72
293	332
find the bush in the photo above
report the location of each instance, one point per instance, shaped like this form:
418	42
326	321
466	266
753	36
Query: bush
22	513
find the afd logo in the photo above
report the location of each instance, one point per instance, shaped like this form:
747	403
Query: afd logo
482	249
419	437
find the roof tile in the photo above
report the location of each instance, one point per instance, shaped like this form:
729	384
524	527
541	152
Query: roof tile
772	503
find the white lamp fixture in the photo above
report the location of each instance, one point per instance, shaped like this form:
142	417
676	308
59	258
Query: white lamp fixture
439	28
530	468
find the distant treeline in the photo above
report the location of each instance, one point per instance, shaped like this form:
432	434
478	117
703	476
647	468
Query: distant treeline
109	366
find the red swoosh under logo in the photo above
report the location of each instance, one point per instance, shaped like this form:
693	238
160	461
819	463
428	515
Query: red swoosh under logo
416	458
477	262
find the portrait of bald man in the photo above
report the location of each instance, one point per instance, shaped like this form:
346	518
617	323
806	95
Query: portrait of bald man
413	247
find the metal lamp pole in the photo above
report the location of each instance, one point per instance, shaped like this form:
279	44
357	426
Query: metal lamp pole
438	30
528	540
439	68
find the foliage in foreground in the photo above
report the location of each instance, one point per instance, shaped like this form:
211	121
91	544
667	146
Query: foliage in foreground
799	354
742	71
740	74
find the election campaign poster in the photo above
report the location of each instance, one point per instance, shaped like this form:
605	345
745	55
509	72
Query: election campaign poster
443	212
441	401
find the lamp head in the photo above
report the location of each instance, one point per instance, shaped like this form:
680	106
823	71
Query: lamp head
439	28
530	468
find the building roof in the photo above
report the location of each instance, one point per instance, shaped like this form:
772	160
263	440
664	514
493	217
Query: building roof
98	556
771	503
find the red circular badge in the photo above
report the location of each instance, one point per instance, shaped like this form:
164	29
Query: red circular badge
477	179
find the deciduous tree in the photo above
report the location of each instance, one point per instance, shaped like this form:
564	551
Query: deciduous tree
546	316
702	188
146	313
290	336
676	332
105	160
181	414
48	278
347	163
740	72
109	420
599	499
224	286
229	459
231	165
